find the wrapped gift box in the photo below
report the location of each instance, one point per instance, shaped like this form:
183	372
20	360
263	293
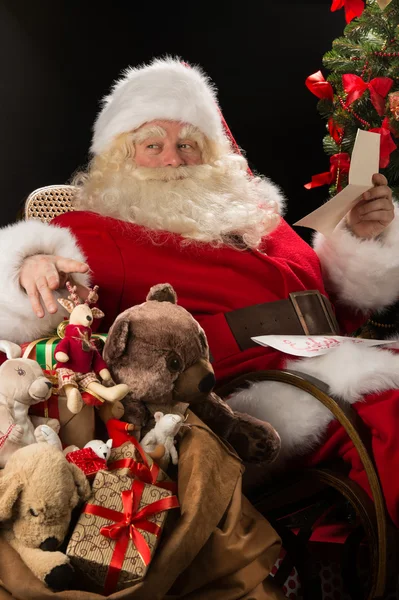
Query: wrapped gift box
118	530
131	460
88	461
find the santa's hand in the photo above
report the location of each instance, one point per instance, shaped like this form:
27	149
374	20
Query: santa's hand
42	273
107	380
374	212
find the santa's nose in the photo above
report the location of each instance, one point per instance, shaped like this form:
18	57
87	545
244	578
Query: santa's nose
171	158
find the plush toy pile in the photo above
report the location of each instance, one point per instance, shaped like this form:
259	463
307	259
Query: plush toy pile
154	370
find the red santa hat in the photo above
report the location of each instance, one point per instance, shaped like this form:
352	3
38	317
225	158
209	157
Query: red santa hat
164	89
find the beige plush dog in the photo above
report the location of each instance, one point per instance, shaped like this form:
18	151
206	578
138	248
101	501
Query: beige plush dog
38	490
22	384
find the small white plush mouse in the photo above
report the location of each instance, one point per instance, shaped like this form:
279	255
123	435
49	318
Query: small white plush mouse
102	449
163	432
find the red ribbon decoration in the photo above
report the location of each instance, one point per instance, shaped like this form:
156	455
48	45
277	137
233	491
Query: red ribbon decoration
319	86
353	8
387	145
378	88
126	527
336	132
339	161
142	471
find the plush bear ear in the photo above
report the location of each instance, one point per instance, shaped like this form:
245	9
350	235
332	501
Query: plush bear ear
109	444
10	487
116	340
158	415
163	292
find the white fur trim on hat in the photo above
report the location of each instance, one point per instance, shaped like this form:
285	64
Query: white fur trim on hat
362	273
164	89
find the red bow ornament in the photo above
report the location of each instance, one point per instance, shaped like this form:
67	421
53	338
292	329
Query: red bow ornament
387	145
319	86
378	88
338	163
335	131
353	8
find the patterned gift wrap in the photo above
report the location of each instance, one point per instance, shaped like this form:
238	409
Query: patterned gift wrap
131	460
118	530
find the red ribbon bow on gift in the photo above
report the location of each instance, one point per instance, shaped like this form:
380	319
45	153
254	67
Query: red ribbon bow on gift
387	145
378	87
143	471
339	161
353	8
319	86
126	526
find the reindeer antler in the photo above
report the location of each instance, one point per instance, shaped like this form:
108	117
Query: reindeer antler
73	296
93	296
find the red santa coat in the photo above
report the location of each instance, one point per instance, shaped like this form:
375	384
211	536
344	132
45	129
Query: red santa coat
209	282
126	261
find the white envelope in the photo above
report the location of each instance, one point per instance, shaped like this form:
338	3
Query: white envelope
364	163
314	345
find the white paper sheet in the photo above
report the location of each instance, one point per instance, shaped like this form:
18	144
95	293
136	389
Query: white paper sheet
314	345
364	163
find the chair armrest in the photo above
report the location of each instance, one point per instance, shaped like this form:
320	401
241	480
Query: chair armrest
354	427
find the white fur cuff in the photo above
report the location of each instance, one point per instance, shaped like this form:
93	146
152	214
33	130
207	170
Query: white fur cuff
361	273
18	323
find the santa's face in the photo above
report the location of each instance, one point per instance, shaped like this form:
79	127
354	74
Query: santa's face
167	176
166	144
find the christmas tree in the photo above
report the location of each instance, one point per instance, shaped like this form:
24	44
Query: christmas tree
361	90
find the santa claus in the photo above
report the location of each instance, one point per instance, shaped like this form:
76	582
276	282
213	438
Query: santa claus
167	198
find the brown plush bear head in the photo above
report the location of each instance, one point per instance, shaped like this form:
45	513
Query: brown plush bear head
160	351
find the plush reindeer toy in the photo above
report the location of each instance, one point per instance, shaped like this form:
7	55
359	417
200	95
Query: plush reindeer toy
80	366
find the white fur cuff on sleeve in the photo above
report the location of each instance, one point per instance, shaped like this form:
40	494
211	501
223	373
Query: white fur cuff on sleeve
361	273
18	323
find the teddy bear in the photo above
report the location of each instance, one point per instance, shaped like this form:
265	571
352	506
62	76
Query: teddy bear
22	385
163	433
78	361
38	491
161	352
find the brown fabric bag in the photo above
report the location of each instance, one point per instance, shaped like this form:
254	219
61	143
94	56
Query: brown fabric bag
218	547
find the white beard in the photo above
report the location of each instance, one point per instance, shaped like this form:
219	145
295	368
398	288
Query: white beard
209	203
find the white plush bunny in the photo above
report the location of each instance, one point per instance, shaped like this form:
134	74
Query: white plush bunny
164	431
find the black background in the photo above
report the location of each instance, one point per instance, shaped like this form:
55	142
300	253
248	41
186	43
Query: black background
58	58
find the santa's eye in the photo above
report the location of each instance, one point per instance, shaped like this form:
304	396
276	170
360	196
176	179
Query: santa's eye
20	371
174	364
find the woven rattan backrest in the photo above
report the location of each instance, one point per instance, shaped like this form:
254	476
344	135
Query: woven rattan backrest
48	202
